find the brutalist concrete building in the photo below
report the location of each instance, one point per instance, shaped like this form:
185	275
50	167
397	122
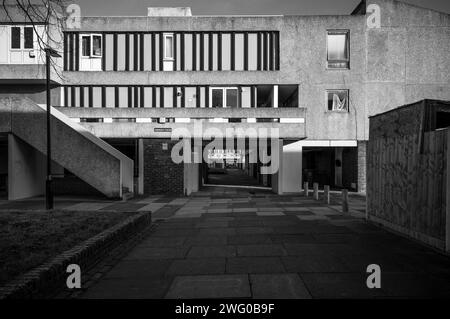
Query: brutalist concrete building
124	85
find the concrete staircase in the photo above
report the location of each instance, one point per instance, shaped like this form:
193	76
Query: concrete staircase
73	147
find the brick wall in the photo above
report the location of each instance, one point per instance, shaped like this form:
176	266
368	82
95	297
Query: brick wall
161	174
362	145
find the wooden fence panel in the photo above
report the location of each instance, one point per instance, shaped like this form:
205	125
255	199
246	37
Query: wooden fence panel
406	187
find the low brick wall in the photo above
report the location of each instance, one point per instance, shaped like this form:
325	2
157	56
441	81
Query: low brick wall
50	277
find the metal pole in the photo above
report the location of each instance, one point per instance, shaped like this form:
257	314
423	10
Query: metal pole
48	182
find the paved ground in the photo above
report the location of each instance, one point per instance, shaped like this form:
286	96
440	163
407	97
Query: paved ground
228	243
242	243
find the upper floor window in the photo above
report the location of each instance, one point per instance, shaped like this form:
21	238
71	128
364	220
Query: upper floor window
168	46
91	45
337	100
338	49
15	38
28	38
174	51
18	41
96	45
85	45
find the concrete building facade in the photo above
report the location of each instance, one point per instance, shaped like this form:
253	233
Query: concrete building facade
133	81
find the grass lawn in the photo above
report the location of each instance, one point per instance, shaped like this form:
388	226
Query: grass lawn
30	238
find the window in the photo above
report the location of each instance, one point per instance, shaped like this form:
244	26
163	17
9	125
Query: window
28	34
337	100
217	98
232	98
91	45
15	38
85	46
338	55
96	45
224	97
168	46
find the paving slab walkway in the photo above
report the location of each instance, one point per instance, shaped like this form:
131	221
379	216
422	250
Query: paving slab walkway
235	243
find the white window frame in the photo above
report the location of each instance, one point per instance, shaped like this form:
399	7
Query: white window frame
166	36
347	43
338	90
91	36
21	38
224	96
92	45
81	45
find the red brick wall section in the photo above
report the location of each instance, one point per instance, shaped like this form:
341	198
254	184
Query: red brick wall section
161	174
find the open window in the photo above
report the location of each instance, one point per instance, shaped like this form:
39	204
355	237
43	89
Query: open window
338	49
91	45
337	100
96	45
91	52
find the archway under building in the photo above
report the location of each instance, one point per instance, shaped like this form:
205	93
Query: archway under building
236	167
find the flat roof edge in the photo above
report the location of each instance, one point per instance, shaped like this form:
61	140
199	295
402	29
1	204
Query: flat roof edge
426	101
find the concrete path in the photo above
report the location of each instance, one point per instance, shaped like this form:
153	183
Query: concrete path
228	243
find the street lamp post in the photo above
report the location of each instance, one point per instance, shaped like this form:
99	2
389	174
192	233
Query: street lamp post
49	53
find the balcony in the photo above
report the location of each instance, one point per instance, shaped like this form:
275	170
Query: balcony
290	122
23	78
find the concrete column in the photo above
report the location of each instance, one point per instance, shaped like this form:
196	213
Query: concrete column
26	170
338	170
292	168
140	189
191	172
277	178
362	147
275	96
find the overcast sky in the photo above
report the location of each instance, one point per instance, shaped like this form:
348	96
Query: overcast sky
223	7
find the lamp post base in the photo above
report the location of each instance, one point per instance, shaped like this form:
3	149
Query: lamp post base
48	194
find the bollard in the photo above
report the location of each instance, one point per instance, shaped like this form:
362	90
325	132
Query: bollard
345	201
316	191
326	193
305	188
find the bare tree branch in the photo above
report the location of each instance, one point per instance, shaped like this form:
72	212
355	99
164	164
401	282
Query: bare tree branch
49	14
